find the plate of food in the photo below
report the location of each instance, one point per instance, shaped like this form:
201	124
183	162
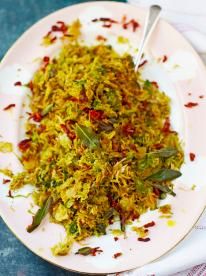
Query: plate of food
101	166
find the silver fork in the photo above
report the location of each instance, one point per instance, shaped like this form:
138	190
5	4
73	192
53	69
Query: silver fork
150	23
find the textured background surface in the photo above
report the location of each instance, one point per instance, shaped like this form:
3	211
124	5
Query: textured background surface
15	17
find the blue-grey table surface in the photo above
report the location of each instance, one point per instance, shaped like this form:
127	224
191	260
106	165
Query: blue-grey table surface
15	17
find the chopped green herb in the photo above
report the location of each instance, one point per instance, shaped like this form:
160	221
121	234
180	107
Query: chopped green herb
73	229
193	187
122	40
85	251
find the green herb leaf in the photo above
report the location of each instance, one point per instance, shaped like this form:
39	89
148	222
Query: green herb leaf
85	251
164	175
47	109
87	136
41	213
164	189
165	153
